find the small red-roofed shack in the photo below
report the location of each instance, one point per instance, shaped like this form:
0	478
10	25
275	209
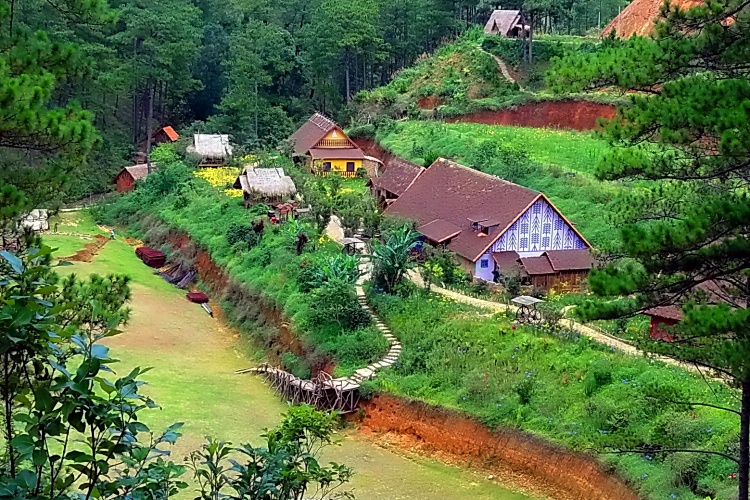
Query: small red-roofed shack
662	318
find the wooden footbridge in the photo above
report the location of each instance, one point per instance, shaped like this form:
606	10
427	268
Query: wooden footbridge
325	392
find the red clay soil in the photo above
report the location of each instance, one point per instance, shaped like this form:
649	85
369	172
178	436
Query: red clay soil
372	148
430	102
570	115
89	250
508	453
638	18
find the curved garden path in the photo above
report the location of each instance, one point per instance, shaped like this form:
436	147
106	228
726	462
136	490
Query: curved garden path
584	330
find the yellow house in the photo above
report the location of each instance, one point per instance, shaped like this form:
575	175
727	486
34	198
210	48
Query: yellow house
325	148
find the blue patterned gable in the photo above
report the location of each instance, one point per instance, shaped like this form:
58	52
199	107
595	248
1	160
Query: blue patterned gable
539	229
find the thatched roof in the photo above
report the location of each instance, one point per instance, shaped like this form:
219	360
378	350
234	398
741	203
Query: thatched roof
213	146
271	182
502	22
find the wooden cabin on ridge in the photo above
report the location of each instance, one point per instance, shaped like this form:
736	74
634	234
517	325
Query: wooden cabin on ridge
506	23
324	148
496	228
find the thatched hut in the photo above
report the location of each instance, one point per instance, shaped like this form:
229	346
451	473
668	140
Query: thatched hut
213	150
265	185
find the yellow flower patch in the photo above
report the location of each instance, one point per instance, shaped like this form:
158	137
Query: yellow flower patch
218	177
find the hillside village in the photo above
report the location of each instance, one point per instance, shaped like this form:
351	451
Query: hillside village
492	251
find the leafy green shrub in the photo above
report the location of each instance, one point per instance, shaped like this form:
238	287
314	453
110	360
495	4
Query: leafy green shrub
366	130
598	375
525	390
242	234
358	348
315	273
295	365
335	302
259	209
368	389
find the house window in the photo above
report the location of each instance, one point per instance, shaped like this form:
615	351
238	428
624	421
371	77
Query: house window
484	264
326	166
350	166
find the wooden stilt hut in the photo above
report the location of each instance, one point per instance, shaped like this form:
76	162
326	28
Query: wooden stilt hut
265	185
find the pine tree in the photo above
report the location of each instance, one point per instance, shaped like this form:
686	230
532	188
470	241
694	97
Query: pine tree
686	133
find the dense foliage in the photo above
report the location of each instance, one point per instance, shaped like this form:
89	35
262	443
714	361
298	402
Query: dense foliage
284	469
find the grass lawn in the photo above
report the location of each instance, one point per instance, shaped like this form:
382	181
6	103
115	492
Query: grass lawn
75	222
194	358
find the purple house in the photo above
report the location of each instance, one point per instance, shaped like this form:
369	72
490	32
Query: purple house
493	225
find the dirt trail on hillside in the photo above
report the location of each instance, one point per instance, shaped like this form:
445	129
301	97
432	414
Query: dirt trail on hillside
89	251
504	70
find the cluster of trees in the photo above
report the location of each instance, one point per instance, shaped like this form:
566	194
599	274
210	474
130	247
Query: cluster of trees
251	68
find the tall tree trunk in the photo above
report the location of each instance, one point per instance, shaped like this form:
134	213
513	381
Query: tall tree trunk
135	116
149	132
531	41
12	15
744	472
348	83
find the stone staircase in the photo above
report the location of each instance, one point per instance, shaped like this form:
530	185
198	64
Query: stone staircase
367	373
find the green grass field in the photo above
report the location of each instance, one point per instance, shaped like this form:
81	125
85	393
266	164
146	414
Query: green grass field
559	163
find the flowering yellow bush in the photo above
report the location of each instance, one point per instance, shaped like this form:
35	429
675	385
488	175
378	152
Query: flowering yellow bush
218	177
221	177
233	193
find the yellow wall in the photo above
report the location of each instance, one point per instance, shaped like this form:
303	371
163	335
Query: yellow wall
336	165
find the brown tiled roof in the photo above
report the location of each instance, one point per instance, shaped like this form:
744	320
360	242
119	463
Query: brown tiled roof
336	154
505	260
139	171
570	260
667	312
398	176
439	230
537	265
505	21
311	132
453	192
639	16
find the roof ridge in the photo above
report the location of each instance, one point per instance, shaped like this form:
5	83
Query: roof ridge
485	174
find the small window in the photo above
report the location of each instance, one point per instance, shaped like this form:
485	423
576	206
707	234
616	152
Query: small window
326	166
350	166
484	263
